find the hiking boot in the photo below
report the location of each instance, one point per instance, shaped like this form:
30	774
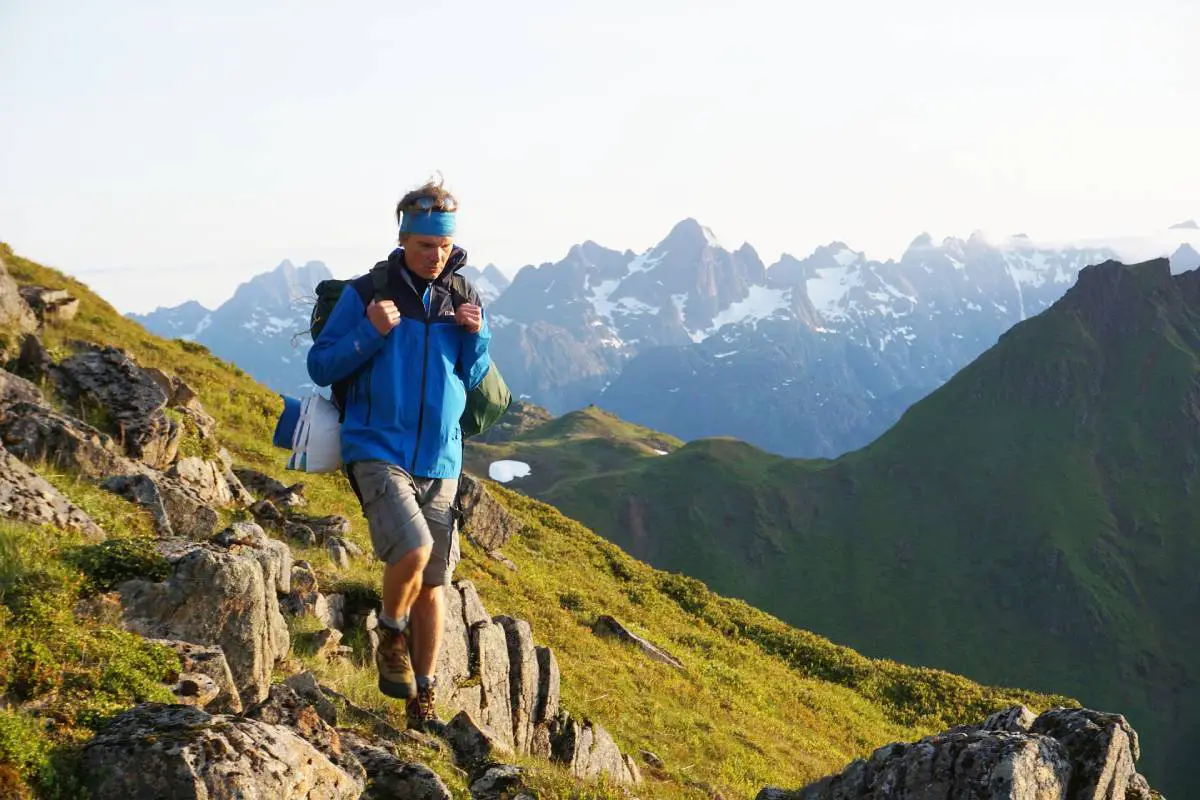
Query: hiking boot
420	711
396	677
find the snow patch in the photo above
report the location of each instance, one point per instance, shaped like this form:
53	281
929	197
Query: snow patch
505	471
661	452
763	302
709	237
726	355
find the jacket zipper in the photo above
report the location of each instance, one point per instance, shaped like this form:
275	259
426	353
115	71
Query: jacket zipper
368	422
421	412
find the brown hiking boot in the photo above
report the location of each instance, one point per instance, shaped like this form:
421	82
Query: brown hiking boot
420	710
396	677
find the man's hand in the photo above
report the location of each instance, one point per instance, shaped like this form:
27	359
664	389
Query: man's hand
384	316
469	316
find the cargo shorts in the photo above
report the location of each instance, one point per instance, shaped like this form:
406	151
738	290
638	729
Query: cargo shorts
404	513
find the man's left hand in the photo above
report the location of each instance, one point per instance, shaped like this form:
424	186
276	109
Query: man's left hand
469	316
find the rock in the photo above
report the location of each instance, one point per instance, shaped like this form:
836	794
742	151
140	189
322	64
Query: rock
205	478
324	643
1138	789
489	650
182	397
1014	720
132	401
338	553
390	778
473	742
300	534
304	599
177	510
609	626
37	434
454	659
498	782
324	528
523	679
14	311
1102	749
194	689
218	595
487	523
775	793
27	497
15	389
652	759
549	682
981	764
268	488
208	660
306	686
157	751
51	306
588	751
473	610
335	605
284	706
34	360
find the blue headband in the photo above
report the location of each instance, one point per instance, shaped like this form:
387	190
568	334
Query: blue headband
428	223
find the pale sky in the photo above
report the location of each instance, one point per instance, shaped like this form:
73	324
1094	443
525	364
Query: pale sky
162	151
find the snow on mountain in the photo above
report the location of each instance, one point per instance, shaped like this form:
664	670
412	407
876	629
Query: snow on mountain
490	282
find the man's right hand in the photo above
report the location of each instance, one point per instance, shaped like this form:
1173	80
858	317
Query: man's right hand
384	316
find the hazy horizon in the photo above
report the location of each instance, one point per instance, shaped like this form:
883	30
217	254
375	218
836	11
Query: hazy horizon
165	152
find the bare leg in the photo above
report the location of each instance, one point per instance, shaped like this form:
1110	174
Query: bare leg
428	618
402	582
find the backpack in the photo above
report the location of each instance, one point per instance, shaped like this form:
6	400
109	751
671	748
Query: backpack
486	403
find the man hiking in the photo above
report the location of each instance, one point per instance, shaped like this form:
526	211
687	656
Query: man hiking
406	353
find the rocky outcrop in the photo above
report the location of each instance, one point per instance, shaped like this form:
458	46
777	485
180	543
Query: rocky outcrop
15	389
177	510
155	751
589	751
1064	754
182	397
132	402
206	479
14	311
389	777
1102	749
51	306
27	497
207	660
220	593
284	706
523	679
491	671
486	523
38	434
610	626
268	488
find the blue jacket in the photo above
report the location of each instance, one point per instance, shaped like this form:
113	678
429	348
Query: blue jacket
408	389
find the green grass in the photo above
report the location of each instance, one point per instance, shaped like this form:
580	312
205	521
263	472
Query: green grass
759	702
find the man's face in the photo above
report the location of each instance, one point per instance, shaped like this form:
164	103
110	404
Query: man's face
426	255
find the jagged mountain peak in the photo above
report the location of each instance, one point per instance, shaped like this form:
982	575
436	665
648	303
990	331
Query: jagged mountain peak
1186	225
922	242
689	234
1185	258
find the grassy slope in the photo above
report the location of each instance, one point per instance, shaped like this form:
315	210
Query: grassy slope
1033	522
760	702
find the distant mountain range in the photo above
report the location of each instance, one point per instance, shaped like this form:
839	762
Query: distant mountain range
811	357
263	328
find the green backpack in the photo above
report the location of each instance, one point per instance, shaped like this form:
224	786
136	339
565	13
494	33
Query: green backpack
486	403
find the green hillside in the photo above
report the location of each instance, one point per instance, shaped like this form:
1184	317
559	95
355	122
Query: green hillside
758	702
1034	522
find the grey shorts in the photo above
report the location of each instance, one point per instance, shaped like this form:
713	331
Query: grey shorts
404	513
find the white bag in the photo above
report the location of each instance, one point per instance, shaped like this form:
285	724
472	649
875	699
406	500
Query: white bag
317	442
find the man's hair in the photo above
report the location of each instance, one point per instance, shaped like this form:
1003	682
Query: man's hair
432	190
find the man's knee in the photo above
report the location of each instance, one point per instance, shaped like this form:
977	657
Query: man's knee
412	562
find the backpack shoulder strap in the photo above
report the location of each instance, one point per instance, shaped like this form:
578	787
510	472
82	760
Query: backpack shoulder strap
379	279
